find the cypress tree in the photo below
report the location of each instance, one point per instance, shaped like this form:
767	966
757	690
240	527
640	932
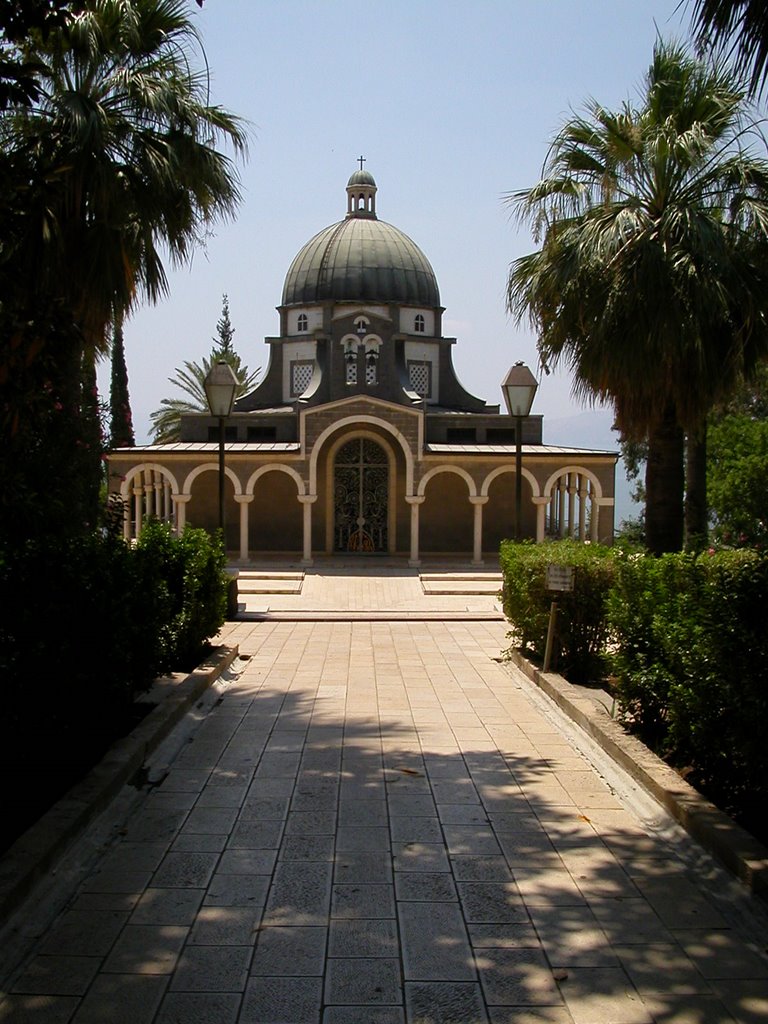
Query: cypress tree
120	419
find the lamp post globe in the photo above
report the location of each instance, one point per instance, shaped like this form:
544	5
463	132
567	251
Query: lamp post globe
221	385
519	389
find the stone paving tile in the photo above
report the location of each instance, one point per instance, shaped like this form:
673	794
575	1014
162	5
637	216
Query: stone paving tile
222	796
37	1009
425	886
369	1014
159	906
532	1015
198	842
415	830
300	894
361	900
57	976
435	945
199	1008
444	1003
522	934
363	982
185	870
146	949
721	955
356	866
571	936
363	938
492	902
237	890
247	862
517	977
84	933
212	969
290	951
661	967
215	820
225	926
282	1001
420	857
603	995
121	999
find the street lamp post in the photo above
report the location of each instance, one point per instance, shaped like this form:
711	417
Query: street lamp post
519	388
220	387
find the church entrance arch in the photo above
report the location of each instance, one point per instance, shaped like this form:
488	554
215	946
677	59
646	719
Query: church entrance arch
361	497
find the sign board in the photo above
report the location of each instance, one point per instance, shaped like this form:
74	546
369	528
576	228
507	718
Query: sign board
560	577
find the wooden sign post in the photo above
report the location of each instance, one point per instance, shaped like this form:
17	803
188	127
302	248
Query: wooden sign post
560	579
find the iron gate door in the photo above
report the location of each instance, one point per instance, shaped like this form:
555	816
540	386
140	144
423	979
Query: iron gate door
361	490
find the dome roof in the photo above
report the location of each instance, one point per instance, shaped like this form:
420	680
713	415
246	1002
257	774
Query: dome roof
361	178
361	258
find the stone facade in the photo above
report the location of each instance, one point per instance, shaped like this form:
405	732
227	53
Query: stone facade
360	438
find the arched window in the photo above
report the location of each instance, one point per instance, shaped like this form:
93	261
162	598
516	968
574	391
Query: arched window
303	322
418	324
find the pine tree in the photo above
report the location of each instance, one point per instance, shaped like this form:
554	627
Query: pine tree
166	421
120	419
225	332
90	444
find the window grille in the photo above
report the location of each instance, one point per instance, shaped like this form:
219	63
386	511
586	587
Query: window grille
420	377
301	377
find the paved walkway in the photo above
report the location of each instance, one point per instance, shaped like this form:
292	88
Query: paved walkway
375	822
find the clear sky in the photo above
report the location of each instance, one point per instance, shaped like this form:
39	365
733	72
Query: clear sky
452	103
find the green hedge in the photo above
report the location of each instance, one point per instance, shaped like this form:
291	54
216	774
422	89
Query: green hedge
582	629
692	669
184	585
685	638
87	623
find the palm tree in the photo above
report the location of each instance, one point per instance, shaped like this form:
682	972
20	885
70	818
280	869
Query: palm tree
651	283
739	29
166	421
111	162
126	137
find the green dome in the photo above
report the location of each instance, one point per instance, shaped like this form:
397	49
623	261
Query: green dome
361	259
361	178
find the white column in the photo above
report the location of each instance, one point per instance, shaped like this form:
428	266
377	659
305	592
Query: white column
244	501
477	552
541	516
138	507
126	500
414	500
167	507
561	505
595	520
180	501
573	481
583	490
157	483
307	501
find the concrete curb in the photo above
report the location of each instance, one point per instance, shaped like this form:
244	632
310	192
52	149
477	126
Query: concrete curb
35	852
735	848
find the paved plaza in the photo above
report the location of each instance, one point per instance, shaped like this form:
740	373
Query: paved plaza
371	820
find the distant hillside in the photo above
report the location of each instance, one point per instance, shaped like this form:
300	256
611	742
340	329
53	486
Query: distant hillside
592	429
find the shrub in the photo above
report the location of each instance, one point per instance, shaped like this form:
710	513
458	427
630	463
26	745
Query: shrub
581	622
185	585
88	622
692	657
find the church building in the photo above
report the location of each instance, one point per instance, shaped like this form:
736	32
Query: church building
360	439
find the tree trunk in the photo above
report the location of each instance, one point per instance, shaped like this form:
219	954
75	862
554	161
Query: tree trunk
696	524
664	485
